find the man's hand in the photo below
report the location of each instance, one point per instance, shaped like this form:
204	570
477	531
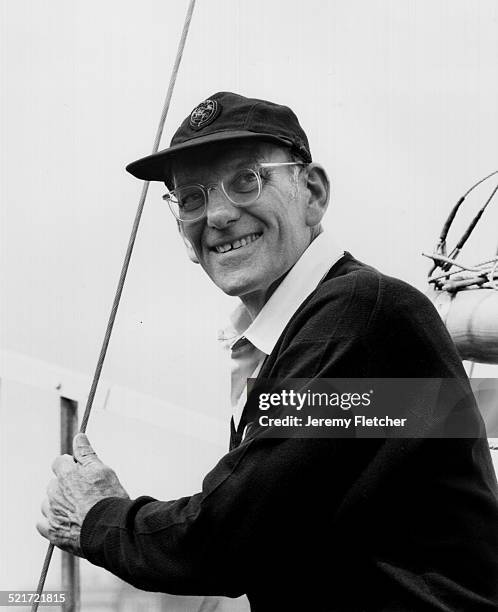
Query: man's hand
77	488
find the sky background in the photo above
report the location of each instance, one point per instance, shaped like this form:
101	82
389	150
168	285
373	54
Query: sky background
399	100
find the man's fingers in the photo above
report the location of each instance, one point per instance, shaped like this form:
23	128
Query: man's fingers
62	465
63	534
57	538
82	450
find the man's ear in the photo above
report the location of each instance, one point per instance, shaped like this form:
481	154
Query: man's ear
190	249
318	185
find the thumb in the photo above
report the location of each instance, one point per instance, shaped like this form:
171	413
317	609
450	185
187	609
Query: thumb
82	450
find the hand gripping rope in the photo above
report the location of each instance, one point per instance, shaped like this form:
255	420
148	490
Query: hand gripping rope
124	270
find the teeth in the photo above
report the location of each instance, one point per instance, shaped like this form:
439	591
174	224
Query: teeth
229	246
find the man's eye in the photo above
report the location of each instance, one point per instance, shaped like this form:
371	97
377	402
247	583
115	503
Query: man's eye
190	199
244	181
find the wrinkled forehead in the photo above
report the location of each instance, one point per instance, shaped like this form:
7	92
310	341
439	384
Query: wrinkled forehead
209	163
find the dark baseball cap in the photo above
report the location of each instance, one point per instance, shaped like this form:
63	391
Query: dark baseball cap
222	117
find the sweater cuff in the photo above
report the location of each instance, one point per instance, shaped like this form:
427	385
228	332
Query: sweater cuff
103	517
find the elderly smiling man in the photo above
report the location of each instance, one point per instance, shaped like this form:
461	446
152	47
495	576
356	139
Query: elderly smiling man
295	523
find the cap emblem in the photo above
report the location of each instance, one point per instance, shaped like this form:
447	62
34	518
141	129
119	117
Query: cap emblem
204	114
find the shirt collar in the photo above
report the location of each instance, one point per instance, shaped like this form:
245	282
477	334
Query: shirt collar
298	284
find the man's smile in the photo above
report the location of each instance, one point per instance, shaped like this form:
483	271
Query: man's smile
236	244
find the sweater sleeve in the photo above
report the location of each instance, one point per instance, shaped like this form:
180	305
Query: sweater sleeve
253	509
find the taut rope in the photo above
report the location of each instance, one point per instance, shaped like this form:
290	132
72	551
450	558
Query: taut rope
124	270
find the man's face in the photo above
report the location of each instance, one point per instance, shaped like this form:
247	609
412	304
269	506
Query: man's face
245	250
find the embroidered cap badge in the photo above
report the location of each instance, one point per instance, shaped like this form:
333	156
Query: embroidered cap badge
204	114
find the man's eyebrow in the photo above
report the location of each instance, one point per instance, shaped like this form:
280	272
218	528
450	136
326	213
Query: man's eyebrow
253	158
256	157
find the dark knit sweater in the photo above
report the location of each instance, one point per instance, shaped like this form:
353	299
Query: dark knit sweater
329	524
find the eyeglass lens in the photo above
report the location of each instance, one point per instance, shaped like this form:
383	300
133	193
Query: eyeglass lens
188	203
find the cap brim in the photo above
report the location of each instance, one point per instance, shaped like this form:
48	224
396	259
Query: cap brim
156	167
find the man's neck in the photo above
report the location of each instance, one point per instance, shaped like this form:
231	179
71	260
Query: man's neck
254	302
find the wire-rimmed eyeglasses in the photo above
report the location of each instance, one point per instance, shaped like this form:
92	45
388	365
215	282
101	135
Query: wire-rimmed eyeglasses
188	203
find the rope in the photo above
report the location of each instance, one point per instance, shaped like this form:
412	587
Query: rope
461	266
451	216
484	274
129	250
124	270
441	245
472	225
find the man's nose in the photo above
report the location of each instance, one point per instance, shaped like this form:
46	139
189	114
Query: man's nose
220	211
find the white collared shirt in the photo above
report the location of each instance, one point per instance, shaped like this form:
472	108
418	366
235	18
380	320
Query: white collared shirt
250	342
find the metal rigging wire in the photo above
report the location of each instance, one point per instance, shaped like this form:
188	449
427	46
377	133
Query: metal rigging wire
124	270
441	262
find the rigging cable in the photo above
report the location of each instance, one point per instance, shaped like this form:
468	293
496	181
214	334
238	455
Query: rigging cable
124	270
441	245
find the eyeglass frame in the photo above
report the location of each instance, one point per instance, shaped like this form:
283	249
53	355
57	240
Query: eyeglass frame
206	188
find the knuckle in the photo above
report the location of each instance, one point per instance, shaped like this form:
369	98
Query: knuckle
64	462
106	470
101	472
